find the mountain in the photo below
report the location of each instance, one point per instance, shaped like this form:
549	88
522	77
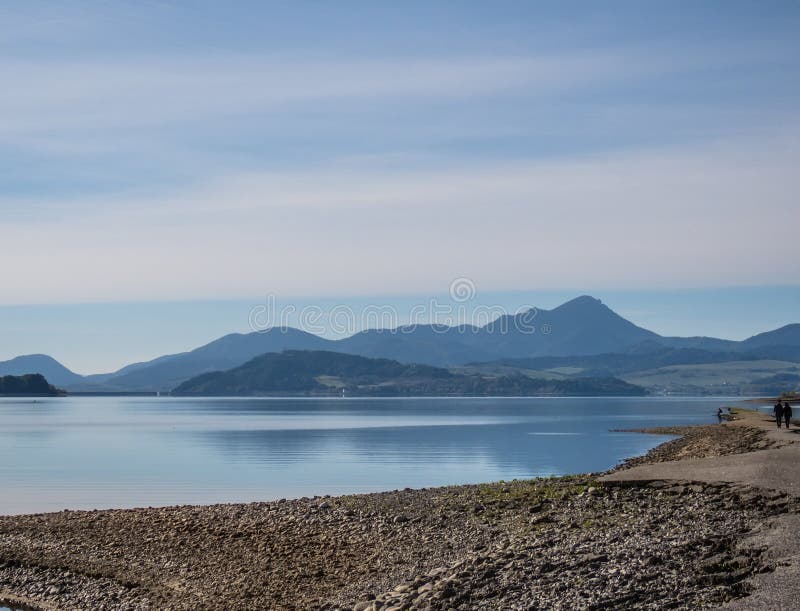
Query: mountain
582	327
431	344
613	364
27	384
166	372
330	373
45	365
665	370
785	336
775	385
711	344
307	371
780	353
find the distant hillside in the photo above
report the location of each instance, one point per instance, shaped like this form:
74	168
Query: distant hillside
774	385
28	384
785	336
166	372
583	335
50	368
662	370
636	359
437	345
731	378
324	372
581	326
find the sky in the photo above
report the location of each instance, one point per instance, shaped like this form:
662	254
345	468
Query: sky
166	166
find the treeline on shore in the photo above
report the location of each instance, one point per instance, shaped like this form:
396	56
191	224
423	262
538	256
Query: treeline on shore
28	384
319	372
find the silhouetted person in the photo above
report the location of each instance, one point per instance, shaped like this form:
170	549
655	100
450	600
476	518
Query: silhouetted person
787	413
719	414
778	409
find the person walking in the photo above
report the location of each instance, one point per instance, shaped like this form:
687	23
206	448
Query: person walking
778	409
787	413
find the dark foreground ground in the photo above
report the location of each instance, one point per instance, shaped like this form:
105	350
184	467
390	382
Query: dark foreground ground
556	543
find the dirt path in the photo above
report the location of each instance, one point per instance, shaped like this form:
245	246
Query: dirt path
774	469
777	468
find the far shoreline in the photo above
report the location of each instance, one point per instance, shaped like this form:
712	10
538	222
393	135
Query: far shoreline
334	397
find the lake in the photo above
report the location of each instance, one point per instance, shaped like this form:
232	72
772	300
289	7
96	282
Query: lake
103	452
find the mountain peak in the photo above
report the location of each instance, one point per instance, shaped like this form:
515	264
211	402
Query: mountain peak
788	335
34	357
585	299
584	303
43	364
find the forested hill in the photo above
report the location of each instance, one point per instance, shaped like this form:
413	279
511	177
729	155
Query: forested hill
322	372
28	384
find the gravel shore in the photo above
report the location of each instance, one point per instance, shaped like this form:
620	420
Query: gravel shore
550	543
706	441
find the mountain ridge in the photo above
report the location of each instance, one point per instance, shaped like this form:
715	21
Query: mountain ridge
323	372
42	364
583	326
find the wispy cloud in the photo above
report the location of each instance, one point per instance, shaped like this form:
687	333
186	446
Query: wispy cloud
717	215
45	94
158	169
40	96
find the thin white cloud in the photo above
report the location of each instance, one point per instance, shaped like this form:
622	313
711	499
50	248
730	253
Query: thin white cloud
223	225
713	216
41	95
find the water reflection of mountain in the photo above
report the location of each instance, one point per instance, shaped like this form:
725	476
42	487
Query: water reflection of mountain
27	408
505	448
488	438
134	451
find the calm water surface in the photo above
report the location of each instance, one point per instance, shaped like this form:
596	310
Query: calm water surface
101	452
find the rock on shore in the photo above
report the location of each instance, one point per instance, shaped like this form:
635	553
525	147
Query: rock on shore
552	543
704	441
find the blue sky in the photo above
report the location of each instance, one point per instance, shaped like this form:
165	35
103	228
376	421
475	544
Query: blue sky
165	157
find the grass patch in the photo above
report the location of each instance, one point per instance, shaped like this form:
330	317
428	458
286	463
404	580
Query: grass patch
534	491
742	410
